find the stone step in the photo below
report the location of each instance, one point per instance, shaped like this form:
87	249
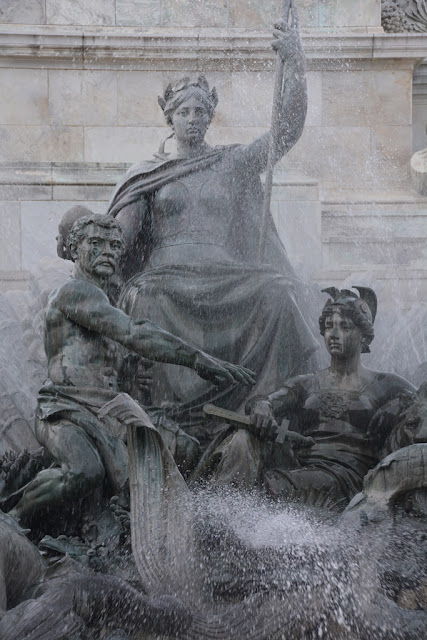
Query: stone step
356	250
382	223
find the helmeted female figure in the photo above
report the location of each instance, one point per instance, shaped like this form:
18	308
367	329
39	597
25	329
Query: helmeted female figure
334	407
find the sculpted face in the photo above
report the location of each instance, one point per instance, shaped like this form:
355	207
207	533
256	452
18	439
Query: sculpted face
99	252
190	121
342	338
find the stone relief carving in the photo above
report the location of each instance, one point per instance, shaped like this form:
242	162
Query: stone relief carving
404	15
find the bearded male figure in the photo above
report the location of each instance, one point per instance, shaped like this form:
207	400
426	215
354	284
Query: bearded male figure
81	416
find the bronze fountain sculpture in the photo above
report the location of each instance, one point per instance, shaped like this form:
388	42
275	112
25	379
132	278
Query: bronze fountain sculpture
154	542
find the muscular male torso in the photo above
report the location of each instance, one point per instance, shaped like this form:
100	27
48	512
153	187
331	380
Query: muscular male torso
77	356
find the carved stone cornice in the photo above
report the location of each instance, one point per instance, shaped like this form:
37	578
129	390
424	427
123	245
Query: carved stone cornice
126	48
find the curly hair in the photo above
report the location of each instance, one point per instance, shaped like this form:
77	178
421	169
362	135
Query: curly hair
349	310
78	230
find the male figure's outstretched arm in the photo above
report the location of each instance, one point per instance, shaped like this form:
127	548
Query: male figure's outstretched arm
87	305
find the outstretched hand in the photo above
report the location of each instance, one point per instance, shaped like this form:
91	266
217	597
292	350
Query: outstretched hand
287	40
217	371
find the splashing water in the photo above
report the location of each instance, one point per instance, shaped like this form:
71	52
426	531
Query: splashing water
264	570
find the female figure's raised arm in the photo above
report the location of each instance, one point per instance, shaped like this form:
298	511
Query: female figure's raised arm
292	107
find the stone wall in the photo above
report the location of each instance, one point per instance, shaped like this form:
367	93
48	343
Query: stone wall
77	96
248	14
79	103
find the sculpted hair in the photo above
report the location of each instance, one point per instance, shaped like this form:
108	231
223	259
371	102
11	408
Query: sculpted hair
78	230
351	311
65	226
183	90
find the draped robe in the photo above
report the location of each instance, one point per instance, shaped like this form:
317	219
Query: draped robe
234	309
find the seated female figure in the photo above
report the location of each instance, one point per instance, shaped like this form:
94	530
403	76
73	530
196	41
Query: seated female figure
192	226
333	406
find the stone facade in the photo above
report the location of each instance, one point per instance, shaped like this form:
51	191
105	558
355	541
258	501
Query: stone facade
79	103
359	107
247	14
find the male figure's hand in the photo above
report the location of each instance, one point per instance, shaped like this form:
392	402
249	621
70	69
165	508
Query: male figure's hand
218	371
